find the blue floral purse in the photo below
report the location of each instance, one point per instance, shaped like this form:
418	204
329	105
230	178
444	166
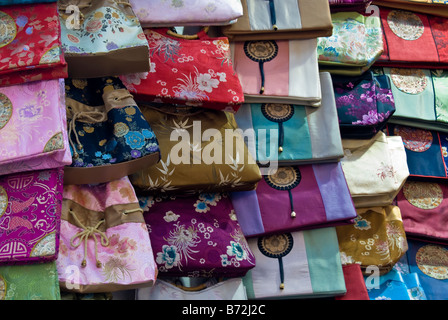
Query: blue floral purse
364	104
109	137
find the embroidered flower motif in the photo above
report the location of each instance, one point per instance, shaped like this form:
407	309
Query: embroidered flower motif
210	198
361	224
169	257
120	129
170	216
386	171
135	139
206	82
236	250
201	206
94	25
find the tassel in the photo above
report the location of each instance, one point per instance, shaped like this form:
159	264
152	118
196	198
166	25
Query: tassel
282	274
280	137
293	214
273	16
262	76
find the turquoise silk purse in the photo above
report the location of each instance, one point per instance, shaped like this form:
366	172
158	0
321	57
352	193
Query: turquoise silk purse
273	130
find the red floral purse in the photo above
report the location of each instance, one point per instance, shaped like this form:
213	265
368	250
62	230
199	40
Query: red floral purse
187	70
30	44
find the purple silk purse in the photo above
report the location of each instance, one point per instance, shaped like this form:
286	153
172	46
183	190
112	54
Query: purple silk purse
30	211
196	236
295	198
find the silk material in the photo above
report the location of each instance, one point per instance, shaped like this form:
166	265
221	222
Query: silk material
377	238
30	46
215	245
314	202
354	282
33	134
375	169
312	267
123	250
37	281
186	13
30	214
292	76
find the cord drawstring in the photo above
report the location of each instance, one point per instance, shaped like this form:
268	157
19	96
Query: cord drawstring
273	16
85	235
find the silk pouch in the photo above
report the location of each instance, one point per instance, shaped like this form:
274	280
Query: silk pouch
377	239
37	281
102	38
433	7
229	289
108	134
375	169
426	152
423	206
302	264
30	213
278	71
276	129
196	236
186	13
429	262
104	246
397	286
202	151
349	5
420	97
193	70
354	282
33	132
295	198
354	46
281	19
364	104
30	44
413	40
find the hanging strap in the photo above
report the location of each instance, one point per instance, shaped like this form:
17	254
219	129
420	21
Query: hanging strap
84	237
196	36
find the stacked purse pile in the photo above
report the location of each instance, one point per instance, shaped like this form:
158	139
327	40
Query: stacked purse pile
222	150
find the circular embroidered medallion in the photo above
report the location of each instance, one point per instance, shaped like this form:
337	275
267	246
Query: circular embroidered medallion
8	29
412	81
414	139
5	110
276	246
51	56
277	112
45	247
285	178
56	142
405	24
3	200
2	288
423	195
261	51
432	260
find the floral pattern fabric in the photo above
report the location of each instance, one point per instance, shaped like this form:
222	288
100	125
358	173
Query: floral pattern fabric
188	72
116	135
30	210
33	134
30	44
364	103
197	236
117	258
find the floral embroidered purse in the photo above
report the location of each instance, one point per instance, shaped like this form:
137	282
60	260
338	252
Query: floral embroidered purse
186	13
30	213
109	137
377	238
196	236
102	38
375	169
202	150
364	104
354	46
104	244
33	127
191	70
30	44
277	127
295	198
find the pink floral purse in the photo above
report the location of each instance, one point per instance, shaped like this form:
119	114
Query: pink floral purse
104	245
